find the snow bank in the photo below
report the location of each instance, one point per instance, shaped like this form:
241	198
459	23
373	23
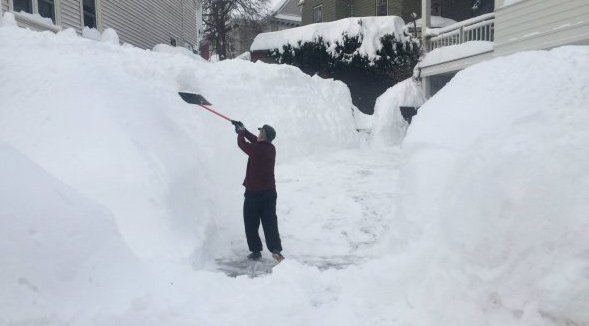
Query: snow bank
496	182
164	48
54	243
108	122
110	36
371	29
7	20
388	125
121	185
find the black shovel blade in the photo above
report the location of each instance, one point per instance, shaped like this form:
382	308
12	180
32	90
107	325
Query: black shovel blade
193	98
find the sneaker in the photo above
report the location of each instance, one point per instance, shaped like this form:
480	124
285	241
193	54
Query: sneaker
278	256
254	255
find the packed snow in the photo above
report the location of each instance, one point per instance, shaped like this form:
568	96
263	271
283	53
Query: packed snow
455	52
119	200
371	29
388	125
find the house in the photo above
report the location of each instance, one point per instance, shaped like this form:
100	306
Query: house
318	11
284	14
510	26
140	23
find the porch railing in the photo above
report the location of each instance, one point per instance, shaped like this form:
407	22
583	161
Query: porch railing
479	28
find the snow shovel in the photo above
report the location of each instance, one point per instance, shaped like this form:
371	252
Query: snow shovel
199	100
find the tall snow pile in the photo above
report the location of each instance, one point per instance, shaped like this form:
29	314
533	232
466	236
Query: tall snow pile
110	162
388	125
496	181
54	243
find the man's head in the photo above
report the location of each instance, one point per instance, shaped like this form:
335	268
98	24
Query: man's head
267	133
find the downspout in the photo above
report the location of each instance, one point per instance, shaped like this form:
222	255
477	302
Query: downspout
425	25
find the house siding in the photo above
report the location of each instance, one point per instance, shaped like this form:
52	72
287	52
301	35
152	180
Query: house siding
189	28
329	10
71	14
291	8
4	5
363	8
147	23
396	8
342	9
338	9
541	24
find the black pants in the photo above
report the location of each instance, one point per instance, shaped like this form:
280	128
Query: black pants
261	206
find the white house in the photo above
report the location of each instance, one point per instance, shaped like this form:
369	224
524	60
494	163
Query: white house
512	26
140	23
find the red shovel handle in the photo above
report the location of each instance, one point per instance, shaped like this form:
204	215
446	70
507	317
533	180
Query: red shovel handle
215	112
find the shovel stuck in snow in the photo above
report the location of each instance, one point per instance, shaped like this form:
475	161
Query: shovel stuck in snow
199	100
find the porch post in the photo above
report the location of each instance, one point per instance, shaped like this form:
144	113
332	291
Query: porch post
426	86
426	12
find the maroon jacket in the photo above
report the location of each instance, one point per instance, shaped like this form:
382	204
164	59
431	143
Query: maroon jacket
259	175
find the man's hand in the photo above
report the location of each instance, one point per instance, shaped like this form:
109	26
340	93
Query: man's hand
238	126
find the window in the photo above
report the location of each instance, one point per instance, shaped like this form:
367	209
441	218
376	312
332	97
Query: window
23	5
318	14
47	9
89	7
381	7
436	6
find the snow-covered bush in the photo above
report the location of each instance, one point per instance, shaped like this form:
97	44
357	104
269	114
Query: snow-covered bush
368	54
367	77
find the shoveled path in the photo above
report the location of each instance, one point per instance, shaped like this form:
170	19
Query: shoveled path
332	209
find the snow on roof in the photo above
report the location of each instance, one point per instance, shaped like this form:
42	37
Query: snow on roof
371	29
289	17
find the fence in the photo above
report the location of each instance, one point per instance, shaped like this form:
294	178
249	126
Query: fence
479	28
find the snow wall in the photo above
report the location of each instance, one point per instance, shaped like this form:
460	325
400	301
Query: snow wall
106	120
388	127
496	188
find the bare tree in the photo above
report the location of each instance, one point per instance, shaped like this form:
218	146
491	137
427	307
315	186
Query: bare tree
218	15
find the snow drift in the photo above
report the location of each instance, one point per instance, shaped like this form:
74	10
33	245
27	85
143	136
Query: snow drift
496	180
388	125
54	243
107	120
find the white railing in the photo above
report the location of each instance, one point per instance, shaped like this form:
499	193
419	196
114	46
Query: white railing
479	28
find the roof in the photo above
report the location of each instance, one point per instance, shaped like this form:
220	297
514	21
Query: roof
285	10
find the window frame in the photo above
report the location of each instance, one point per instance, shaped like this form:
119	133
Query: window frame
32	2
320	7
82	14
54	5
35	11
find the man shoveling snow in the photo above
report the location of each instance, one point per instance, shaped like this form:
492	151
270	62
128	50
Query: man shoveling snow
260	190
260	185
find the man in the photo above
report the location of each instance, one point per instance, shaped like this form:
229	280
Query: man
260	190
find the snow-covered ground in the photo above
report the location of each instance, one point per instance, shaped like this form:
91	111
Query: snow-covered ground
121	204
